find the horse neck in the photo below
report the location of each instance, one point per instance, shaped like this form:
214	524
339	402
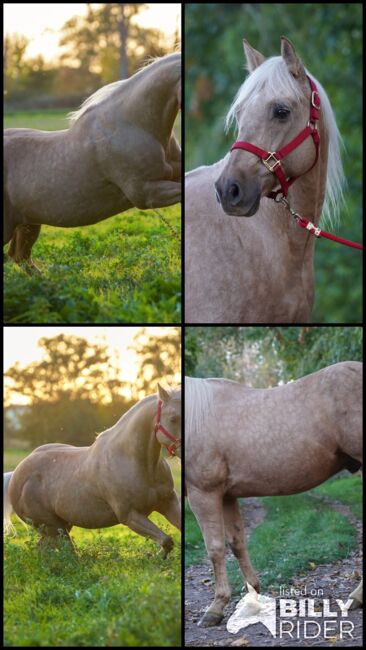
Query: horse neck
150	99
133	435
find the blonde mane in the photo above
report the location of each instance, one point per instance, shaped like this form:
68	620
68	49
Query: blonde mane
105	92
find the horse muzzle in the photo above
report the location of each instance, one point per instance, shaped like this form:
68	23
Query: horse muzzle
236	198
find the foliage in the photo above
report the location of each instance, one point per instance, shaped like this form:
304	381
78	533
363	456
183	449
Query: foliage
71	368
123	270
160	358
263	356
329	40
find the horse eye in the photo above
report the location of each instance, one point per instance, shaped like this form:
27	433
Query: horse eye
281	113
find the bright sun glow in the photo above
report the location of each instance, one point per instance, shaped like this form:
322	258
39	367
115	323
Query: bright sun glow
21	345
41	22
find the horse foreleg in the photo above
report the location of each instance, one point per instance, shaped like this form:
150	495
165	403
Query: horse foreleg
157	194
174	158
207	508
143	526
21	244
234	529
171	510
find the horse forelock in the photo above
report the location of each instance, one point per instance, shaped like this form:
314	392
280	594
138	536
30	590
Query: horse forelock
199	403
273	75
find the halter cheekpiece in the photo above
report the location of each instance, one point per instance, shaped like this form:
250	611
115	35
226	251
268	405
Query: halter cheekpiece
159	427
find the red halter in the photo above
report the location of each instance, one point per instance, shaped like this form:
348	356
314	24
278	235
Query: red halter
159	427
272	159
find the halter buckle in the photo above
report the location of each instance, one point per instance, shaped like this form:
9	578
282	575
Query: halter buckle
270	167
315	96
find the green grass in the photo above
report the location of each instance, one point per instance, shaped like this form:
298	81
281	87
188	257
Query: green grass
126	269
46	120
116	591
122	270
298	529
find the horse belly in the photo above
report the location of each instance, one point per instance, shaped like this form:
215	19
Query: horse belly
273	477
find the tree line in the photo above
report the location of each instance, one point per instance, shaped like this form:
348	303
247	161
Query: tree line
103	46
264	356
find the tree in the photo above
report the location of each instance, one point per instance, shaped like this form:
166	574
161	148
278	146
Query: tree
159	357
74	393
73	368
263	356
108	41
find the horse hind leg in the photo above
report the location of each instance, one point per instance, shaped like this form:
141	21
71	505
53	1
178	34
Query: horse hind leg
21	244
51	535
234	529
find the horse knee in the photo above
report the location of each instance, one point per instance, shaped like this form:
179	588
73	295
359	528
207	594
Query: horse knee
216	551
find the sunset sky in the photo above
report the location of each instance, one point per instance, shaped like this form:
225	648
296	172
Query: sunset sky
41	22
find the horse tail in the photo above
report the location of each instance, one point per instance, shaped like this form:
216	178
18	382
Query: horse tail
8	508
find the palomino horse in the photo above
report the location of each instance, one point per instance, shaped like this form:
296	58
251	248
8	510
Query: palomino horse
119	479
245	442
119	152
247	260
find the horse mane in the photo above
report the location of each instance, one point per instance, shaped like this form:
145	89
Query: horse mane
106	91
273	74
198	400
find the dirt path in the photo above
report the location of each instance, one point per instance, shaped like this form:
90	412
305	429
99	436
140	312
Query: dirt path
338	578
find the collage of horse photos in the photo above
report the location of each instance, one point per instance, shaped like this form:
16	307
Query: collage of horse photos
183	325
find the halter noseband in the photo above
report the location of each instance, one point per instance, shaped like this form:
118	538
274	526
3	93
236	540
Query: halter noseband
159	427
272	159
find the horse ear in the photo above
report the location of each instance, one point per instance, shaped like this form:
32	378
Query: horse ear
291	59
163	394
253	57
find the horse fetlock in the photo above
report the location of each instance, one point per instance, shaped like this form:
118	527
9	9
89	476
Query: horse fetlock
167	546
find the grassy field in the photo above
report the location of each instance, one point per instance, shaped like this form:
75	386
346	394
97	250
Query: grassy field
117	590
122	270
298	529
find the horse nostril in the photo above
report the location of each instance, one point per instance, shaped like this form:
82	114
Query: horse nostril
234	193
218	193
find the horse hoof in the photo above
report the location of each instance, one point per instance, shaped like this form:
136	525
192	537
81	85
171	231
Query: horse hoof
167	546
210	619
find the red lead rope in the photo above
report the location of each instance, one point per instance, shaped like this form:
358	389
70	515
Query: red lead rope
314	230
305	223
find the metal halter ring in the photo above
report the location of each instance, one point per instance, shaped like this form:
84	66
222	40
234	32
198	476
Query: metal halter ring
266	163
